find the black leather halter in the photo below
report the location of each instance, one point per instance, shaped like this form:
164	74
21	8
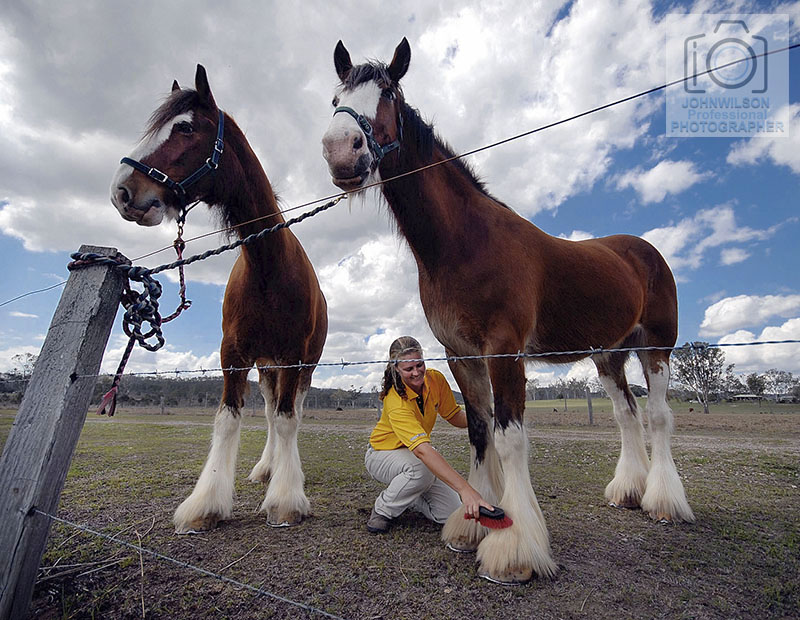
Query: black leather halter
212	163
378	151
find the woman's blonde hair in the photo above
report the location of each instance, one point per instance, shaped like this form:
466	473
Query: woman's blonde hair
391	376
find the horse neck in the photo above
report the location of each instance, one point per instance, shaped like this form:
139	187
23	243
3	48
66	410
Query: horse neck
435	210
244	196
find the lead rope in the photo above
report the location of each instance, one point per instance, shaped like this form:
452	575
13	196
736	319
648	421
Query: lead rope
108	404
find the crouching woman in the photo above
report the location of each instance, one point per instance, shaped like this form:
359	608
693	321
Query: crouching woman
400	454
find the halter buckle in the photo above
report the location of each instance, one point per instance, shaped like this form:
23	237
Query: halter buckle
157	175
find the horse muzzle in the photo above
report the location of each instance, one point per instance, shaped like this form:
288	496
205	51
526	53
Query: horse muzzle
351	177
149	213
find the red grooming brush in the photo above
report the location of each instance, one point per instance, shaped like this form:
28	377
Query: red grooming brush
494	519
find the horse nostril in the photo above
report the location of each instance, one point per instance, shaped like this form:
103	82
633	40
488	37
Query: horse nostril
358	142
123	196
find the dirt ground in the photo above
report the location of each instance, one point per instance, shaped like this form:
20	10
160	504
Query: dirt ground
741	559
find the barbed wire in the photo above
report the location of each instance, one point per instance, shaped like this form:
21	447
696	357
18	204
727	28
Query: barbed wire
695	346
187	565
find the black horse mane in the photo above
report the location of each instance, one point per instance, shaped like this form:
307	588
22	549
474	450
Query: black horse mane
416	131
423	135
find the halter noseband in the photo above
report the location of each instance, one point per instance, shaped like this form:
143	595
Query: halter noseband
211	164
378	151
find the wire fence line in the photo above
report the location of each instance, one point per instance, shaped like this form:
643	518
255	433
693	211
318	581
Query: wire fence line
182	564
696	347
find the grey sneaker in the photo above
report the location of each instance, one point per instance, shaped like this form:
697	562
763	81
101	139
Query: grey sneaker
378	524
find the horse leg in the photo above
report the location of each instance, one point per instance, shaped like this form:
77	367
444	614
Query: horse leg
630	476
513	554
485	474
665	497
286	503
262	470
211	500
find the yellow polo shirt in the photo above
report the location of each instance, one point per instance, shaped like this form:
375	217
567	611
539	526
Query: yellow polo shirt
402	424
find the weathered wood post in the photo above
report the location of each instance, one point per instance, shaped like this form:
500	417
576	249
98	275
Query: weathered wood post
39	448
589	403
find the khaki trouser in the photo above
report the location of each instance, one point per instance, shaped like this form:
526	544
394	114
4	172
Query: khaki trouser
411	485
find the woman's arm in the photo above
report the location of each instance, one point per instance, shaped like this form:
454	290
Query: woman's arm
440	468
459	420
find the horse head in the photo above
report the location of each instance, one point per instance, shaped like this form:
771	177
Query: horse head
367	121
179	136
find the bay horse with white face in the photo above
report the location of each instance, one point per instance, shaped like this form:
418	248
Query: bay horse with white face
490	283
273	312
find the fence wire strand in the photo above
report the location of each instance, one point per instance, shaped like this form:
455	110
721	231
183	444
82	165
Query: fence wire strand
455	358
187	565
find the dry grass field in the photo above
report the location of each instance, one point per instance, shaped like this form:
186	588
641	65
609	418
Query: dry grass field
741	467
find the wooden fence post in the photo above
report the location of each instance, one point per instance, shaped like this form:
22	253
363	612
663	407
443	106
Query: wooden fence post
39	448
589	404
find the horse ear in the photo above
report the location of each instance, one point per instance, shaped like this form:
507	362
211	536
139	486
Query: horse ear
401	60
175	85
341	60
202	87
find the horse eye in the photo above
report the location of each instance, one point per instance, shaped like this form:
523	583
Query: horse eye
184	127
387	93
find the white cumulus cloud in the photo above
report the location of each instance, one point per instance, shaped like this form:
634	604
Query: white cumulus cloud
665	178
733	313
763	357
784	151
686	244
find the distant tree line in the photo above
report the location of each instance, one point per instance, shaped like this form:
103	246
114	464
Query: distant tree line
700	370
166	391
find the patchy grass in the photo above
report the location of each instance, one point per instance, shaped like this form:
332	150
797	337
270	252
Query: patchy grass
740	560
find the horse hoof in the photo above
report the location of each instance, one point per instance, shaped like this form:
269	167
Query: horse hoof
284	520
510	578
461	547
199	526
259	476
662	517
627	502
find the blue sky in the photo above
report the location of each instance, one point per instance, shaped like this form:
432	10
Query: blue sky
77	88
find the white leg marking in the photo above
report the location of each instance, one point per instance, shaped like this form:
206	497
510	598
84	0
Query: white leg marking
628	485
262	470
212	496
665	497
462	534
512	554
286	502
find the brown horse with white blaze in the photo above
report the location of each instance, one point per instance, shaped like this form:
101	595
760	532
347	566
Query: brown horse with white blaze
493	283
273	313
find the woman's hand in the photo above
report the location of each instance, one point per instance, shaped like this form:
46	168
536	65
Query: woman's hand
472	501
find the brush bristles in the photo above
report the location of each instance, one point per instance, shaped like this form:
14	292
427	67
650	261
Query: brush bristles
493	524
